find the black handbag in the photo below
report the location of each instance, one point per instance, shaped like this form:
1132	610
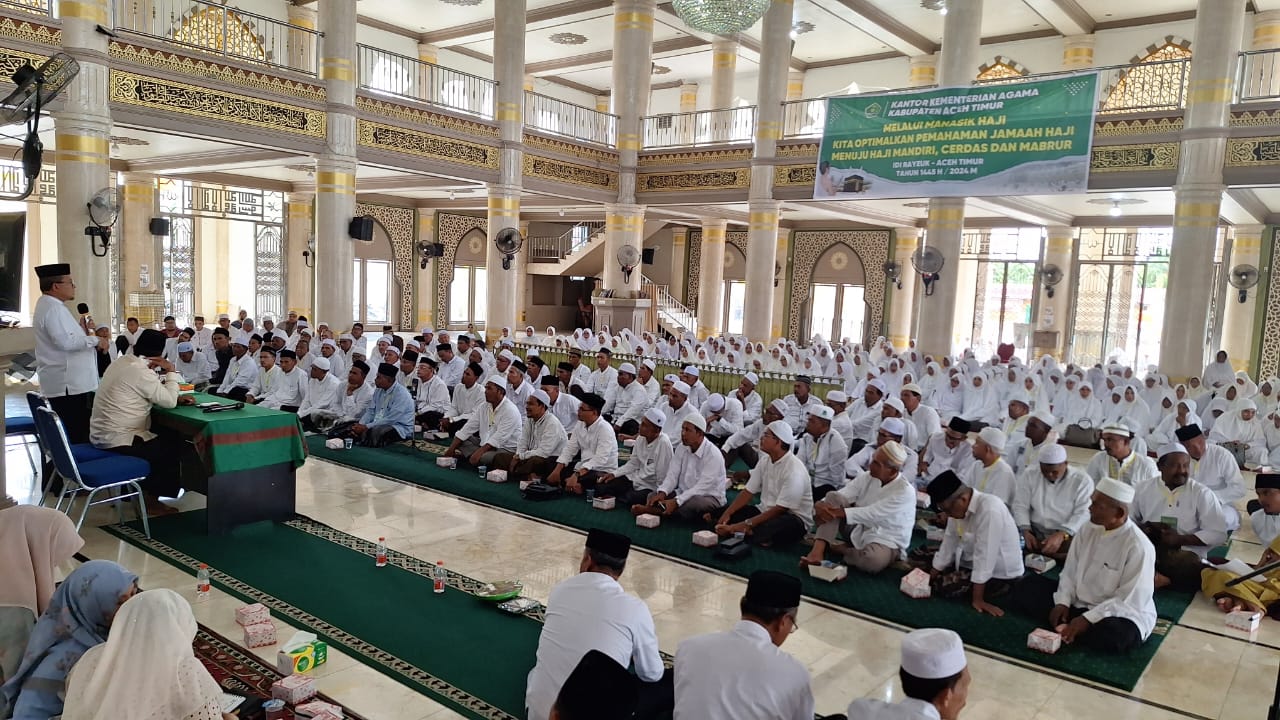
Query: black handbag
542	491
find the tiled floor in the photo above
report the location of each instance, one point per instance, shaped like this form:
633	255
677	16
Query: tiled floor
1202	670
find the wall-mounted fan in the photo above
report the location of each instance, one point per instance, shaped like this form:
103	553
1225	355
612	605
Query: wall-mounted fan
928	261
1242	278
893	273
36	88
104	210
777	274
628	257
1050	275
508	242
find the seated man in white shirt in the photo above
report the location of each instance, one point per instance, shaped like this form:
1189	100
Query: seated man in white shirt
752	403
1214	467
542	439
948	449
563	405
322	399
785	511
1051	503
799	402
742	673
493	428
865	414
432	400
724	417
518	386
357	392
242	371
604	378
935	679
991	474
838	401
451	366
698	392
745	444
922	416
1118	460
1265	520
1182	517
627	402
1038	434
590	611
677	410
650	458
267	374
822	451
468	397
989	549
695	482
193	366
891	429
591	452
876	510
286	390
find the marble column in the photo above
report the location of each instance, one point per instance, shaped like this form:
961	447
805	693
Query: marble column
679	256
427	279
602	103
782	285
1199	188
428	72
724	66
220	233
688	104
300	283
623	225
504	196
959	63
711	278
901	303
302	45
1238	336
795	85
924	71
336	165
137	245
1077	51
1055	311
82	137
1262	73
763	209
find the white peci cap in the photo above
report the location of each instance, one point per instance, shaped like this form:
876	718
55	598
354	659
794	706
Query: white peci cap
932	654
1115	490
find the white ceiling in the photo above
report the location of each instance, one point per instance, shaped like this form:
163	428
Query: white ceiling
1110	10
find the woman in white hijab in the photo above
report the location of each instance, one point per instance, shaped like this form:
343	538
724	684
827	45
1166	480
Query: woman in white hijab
1212	412
1082	408
146	669
1184	413
981	404
948	399
1241	425
1266	397
1033	389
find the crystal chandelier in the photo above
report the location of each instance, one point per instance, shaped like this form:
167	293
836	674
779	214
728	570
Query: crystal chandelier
720	17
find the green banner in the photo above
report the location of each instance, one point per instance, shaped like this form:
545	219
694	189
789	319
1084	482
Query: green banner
1019	138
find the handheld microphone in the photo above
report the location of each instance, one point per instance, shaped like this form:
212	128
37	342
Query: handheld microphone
86	320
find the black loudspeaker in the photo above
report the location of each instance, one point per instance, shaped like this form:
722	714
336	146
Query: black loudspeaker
159	226
646	255
13	228
361	228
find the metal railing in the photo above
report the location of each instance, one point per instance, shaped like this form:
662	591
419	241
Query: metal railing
1259	76
558	117
39	7
555	249
804	118
705	127
227	31
670	309
387	73
1141	87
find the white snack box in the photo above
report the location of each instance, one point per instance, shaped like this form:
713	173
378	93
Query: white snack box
447	462
524	484
1040	563
648	521
829	571
496	476
706	538
604	503
915	584
1045	641
1246	620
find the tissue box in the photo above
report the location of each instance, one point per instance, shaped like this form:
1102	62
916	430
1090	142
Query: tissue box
648	521
934	534
604	503
1040	563
298	661
922	499
1246	620
447	462
293	689
316	708
335	444
705	538
829	571
1045	641
915	584
259	635
252	614
496	476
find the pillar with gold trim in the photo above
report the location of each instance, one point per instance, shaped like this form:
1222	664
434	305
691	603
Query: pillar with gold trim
335	178
138	246
1238	337
688	104
1077	51
504	196
82	138
602	103
781	285
427	279
923	71
679	256
711	278
299	283
1199	188
429	72
795	85
1055	311
302	45
902	301
1261	76
724	66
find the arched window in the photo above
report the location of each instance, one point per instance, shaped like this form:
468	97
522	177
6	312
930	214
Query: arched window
468	292
1002	68
1157	80
222	31
837	307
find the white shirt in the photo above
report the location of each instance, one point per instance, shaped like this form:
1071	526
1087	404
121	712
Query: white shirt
122	407
1194	506
985	540
1218	471
595	446
466	400
1265	526
604	382
740	675
286	390
450	372
940	458
906	709
1112	573
1132	471
566	410
339	364
324	395
783	483
581	376
880	513
433	396
652	391
865	419
752	406
520	395
823	457
265	382
195	372
355	403
730	420
590	611
648	463
860	462
202	340
499	427
695	473
927	423
843	425
1053	506
749	435
674	419
627	403
66	358
994	479
698	394
544	437
241	372
797	414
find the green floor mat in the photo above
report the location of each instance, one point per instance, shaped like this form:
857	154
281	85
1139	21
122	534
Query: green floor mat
455	647
877	596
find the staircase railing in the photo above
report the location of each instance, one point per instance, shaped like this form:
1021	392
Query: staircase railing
551	249
671	309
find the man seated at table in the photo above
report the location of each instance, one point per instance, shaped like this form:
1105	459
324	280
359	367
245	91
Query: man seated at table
592	450
389	416
695	482
876	510
219	355
193	366
321	399
542	439
242	371
1051	503
493	428
121	419
785	511
286	390
981	540
645	469
433	401
268	372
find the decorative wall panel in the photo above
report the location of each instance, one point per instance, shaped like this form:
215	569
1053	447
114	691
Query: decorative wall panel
450	230
436	147
1269	359
728	179
737	239
1128	158
570	173
133	89
871	247
173	62
400	226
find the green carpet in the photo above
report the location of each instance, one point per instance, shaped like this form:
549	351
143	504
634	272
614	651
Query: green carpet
877	596
455	647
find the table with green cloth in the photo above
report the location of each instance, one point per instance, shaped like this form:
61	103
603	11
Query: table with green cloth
246	459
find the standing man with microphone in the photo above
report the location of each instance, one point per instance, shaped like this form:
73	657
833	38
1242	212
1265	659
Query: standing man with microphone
66	357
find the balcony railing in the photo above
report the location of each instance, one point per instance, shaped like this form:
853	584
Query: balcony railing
1259	77
558	117
39	7
555	249
705	127
221	30
804	118
390	74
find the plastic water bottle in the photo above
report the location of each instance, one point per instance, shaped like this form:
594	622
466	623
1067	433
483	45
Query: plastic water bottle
380	555
202	583
438	577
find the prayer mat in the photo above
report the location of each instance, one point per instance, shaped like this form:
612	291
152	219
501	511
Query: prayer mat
240	672
877	596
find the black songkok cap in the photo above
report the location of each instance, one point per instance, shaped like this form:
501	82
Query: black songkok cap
410	355
943	487
597	689
548	380
1188	432
288	354
364	366
609	543
54	270
593	401
149	344
221	331
1267	480
564	366
444	346
257	337
424	360
389	370
804	379
959	424
519	366
773	589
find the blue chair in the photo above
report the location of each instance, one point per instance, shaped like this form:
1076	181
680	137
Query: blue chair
83	452
111	475
21	426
